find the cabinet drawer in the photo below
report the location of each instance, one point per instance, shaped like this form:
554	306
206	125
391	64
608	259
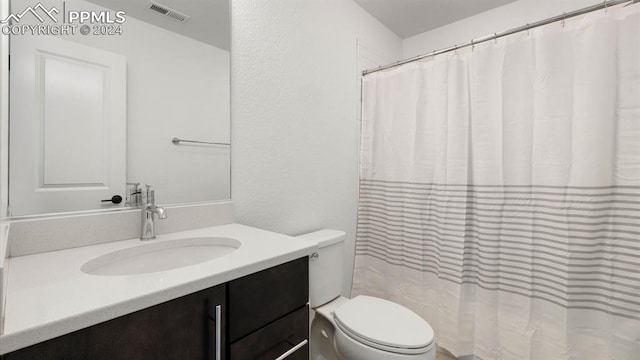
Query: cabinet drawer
258	299
276	339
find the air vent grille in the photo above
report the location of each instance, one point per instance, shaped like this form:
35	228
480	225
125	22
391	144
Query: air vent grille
168	12
159	9
177	16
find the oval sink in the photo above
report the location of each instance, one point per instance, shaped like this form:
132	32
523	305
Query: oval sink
160	256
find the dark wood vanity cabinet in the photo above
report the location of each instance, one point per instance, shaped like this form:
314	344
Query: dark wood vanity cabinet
183	328
261	316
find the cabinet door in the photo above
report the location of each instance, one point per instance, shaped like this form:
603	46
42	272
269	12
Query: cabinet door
180	329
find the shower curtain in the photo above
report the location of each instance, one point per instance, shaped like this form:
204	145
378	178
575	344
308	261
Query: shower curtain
500	192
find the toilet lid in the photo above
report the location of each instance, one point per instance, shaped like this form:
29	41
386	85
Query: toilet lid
384	324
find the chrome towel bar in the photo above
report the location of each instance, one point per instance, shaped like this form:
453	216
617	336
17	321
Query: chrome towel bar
178	141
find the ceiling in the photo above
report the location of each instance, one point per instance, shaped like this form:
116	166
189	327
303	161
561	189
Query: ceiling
407	18
209	19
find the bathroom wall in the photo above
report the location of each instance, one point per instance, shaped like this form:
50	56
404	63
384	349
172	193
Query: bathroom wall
176	86
496	20
295	109
4	161
4	270
4	113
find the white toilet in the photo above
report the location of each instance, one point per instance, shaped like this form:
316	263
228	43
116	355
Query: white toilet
362	328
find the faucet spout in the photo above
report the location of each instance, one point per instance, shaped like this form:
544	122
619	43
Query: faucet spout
158	211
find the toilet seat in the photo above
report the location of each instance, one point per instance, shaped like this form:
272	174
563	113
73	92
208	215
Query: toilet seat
384	325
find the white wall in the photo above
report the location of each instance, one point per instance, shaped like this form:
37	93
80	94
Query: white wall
496	20
4	113
176	86
295	105
4	159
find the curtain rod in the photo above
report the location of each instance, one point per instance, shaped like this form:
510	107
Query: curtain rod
495	36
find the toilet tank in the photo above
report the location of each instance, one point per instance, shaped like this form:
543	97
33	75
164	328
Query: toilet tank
326	271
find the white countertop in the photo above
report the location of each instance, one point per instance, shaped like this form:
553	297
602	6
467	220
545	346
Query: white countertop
48	295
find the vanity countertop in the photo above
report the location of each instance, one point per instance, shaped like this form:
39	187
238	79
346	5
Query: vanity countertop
48	295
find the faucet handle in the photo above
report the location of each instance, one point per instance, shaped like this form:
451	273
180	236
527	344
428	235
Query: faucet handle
134	195
134	187
150	195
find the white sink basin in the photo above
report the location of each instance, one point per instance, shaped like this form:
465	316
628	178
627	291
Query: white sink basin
160	256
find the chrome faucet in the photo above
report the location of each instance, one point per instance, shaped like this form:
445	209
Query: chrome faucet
149	208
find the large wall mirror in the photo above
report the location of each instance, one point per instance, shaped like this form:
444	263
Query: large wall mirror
95	105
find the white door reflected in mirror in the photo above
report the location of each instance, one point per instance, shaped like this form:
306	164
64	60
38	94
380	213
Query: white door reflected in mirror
68	120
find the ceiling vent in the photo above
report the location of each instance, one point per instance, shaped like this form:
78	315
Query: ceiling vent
168	12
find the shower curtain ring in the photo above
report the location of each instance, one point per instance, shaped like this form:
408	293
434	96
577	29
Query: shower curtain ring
495	37
564	17
472	45
606	6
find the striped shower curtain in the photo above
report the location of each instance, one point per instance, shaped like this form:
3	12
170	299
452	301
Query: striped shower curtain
500	192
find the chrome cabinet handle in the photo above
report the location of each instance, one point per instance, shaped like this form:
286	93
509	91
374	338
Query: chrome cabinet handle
218	332
292	350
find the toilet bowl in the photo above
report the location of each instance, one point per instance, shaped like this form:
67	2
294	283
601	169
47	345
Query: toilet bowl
362	328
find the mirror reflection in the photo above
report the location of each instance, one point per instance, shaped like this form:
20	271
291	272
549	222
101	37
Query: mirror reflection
93	110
